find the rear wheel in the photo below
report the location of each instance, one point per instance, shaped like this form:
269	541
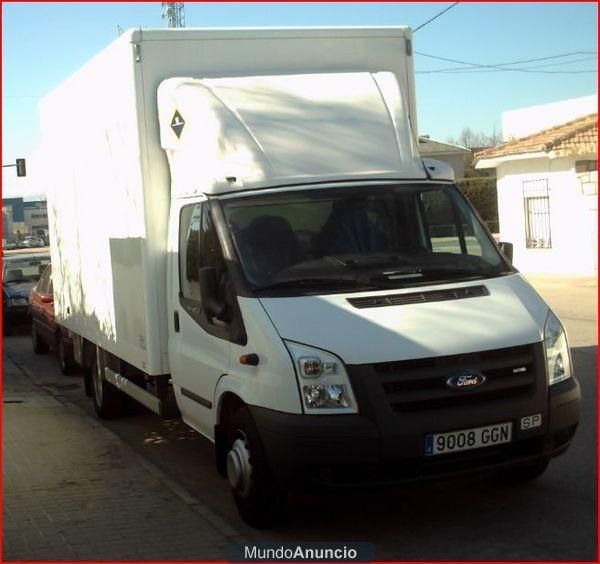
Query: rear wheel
259	498
109	402
65	358
39	346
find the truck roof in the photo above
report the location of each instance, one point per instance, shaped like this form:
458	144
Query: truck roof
136	35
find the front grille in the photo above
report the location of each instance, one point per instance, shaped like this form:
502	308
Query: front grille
414	385
420	297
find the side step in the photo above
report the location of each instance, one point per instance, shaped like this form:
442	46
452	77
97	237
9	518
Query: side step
138	394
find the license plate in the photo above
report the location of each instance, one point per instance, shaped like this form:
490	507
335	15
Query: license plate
468	439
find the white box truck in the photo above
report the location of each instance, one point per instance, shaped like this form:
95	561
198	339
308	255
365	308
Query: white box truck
241	224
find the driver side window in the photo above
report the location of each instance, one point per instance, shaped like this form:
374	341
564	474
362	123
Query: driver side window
198	247
189	251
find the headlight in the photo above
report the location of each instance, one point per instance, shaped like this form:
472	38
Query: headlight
18	302
558	358
323	382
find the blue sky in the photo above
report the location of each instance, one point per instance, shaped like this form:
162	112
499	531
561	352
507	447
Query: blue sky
43	43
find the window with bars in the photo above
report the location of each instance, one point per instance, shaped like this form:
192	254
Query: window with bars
536	197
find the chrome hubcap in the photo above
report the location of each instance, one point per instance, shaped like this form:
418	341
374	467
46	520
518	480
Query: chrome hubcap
239	468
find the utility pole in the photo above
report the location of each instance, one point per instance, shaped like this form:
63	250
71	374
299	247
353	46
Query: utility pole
174	13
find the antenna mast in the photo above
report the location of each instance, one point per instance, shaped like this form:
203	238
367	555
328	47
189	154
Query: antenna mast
174	13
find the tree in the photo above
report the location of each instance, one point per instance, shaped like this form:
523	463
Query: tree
471	139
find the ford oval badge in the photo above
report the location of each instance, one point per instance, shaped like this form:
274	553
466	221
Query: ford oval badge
466	381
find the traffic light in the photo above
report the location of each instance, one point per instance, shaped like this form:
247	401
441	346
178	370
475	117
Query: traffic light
21	167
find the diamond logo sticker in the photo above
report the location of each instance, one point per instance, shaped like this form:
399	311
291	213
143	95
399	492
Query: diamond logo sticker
177	124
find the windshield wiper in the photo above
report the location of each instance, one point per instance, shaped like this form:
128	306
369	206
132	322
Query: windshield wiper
383	280
318	282
427	273
368	261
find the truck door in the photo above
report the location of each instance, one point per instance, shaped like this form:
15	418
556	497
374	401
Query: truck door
199	348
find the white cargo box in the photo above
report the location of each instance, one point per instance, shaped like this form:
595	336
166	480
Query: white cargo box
108	179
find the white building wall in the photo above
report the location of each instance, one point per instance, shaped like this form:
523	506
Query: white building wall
572	216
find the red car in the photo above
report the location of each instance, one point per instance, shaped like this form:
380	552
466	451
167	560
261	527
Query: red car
45	332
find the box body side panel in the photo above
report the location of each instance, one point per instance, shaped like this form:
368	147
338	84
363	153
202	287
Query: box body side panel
96	206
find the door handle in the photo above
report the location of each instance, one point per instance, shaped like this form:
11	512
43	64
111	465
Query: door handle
176	321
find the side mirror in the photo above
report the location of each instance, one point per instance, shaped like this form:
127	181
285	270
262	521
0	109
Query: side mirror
46	298
507	250
211	304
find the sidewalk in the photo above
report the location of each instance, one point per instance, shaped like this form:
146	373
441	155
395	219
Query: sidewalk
73	491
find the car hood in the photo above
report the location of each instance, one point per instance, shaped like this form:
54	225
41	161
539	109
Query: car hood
512	314
18	289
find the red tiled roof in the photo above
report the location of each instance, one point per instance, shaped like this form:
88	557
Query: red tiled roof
577	137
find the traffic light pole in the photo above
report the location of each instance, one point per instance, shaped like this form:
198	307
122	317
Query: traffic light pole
20	164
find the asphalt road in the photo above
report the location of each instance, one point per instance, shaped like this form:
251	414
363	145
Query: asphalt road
484	518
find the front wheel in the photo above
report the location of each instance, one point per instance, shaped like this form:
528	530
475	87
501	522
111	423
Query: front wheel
109	402
259	498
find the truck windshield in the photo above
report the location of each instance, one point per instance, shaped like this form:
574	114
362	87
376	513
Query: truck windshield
378	236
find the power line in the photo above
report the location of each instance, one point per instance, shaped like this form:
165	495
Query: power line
506	64
466	71
503	66
572	61
455	70
562	55
435	17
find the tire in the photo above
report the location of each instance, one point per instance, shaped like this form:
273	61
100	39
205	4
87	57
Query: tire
109	402
88	388
65	359
39	345
526	473
259	498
